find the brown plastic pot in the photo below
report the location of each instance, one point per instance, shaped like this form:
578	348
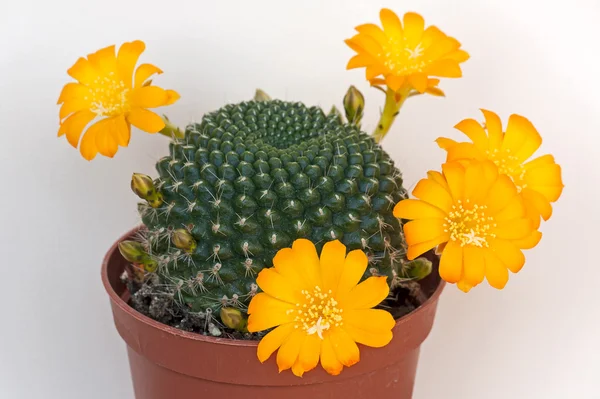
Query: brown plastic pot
167	363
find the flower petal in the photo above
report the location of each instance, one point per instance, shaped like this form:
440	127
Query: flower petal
285	263
438	178
333	257
546	180
422	230
374	31
414	26
472	129
473	265
88	148
515	209
172	96
290	349
145	120
444	68
451	262
493	125
418	81
297	368
500	194
128	56
360	61
511	256
354	268
344	347
495	271
369	338
521	138
267	312
442	48
73	126
419	249
394	82
71	106
309	353
368	320
366	295
104	61
105	141
462	151
529	241
513	229
417	209
308	261
433	193
143	73
72	91
329	360
148	97
455	176
391	23
83	71
279	287
273	340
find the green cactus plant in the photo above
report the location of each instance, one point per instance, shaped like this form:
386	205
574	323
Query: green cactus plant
249	180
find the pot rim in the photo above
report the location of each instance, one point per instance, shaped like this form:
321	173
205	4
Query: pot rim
118	300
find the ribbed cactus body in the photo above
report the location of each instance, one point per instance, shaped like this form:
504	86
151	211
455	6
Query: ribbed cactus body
250	179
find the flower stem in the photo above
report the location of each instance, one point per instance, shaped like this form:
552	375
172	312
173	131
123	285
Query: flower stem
393	102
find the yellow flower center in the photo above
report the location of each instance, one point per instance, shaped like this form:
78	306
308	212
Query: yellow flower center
469	224
319	312
402	59
109	96
510	165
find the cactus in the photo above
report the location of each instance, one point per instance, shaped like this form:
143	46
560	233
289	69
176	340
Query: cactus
250	179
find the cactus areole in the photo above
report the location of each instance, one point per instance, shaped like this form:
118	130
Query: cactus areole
252	177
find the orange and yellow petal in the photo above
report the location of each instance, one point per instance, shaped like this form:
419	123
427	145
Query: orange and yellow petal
145	120
521	137
333	257
277	313
290	349
473	130
355	266
416	250
73	126
144	72
279	287
433	193
451	262
473	265
273	340
306	256
127	58
83	72
148	97
422	230
329	360
104	61
308	358
413	209
366	295
344	347
509	254
369	320
496	272
391	23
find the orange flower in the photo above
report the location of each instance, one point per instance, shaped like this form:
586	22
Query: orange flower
538	181
319	310
107	87
403	55
477	220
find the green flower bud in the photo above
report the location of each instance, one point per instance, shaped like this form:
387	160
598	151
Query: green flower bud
354	105
337	113
182	239
170	130
133	251
418	269
143	187
261	96
234	319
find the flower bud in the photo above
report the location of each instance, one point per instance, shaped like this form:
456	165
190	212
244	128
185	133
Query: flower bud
354	104
183	240
133	251
234	319
143	186
418	269
261	96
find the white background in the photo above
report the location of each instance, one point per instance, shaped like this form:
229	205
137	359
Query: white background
538	338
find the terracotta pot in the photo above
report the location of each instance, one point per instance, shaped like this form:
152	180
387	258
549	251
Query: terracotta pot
167	363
